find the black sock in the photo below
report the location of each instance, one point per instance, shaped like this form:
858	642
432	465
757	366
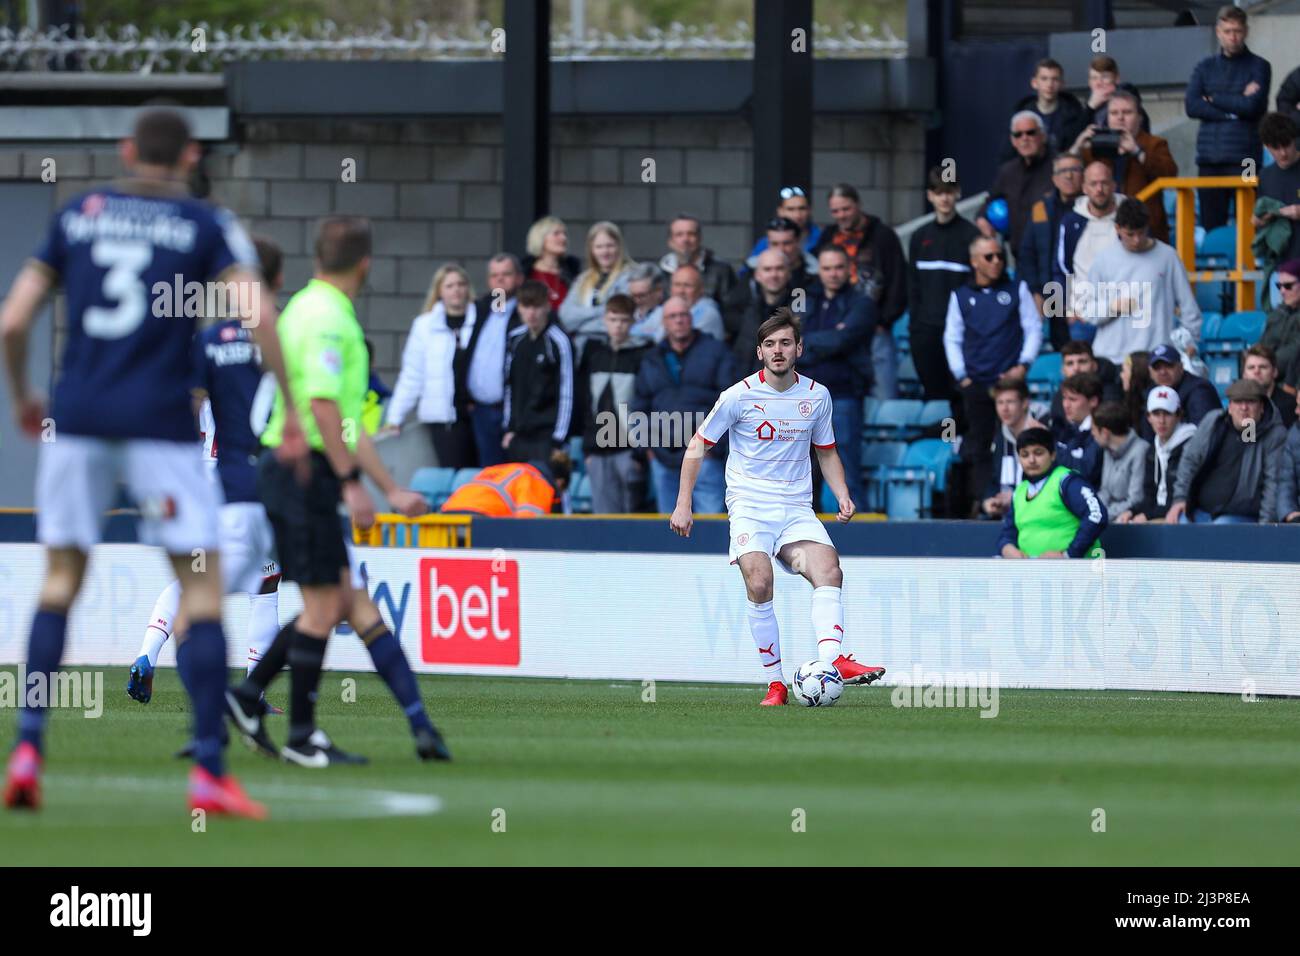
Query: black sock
271	664
306	658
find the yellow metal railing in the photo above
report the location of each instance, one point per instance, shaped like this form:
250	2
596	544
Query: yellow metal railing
427	531
1244	275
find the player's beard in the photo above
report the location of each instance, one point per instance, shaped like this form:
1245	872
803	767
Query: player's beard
786	369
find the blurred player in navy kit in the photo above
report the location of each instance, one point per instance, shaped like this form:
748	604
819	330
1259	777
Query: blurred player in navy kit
122	412
227	375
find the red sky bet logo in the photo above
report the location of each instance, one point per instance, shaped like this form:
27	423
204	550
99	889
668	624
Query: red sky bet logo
469	611
766	431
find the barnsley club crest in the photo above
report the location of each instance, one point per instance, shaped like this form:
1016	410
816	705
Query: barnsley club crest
805	409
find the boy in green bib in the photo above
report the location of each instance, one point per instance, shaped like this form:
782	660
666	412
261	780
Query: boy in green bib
1054	512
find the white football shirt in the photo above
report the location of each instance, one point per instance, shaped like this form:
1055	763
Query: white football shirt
769	433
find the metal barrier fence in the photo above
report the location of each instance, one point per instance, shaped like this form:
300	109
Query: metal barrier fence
201	48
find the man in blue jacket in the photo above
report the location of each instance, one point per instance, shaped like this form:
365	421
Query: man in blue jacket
1228	93
676	386
1038	246
837	327
992	330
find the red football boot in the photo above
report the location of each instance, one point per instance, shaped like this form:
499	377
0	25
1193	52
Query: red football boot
222	795
854	673
777	695
23	782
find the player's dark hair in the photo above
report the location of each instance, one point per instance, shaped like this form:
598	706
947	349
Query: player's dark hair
1113	417
533	294
1010	384
1037	436
935	182
621	305
342	242
1087	384
1132	214
1077	347
270	258
782	318
160	136
1278	130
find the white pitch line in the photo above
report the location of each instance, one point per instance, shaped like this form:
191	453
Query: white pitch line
291	801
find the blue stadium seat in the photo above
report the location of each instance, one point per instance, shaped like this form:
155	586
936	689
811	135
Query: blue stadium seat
580	495
934	412
434	484
1221	368
463	476
912	483
1044	375
1244	327
909	383
1219	249
876	457
1210	323
902	331
869	406
895	418
1211	296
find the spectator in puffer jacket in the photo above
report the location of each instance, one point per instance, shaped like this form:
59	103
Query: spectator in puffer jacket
1038	247
1230	470
677	384
607	273
1288	486
1228	93
1085	230
1123	458
1282	330
686	248
1165	451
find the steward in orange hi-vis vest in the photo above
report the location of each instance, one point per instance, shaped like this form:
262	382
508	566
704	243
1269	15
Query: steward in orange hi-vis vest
512	490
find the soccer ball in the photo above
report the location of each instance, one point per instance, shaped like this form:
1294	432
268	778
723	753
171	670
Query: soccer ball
817	684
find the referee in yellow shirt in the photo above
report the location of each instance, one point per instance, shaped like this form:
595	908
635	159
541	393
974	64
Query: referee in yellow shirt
309	507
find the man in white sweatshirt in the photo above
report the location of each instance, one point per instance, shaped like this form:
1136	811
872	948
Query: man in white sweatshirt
1084	231
1137	286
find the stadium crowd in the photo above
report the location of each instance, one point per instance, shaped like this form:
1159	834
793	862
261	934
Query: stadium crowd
565	346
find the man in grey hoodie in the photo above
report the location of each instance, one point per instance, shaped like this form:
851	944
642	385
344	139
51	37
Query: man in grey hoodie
1160	468
1230	469
1123	457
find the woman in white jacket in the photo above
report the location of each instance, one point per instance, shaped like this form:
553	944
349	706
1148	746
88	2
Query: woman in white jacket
608	273
434	364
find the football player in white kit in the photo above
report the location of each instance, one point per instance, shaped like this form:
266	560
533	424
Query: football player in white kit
770	419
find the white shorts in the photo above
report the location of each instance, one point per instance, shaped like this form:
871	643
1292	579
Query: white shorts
247	548
768	528
76	483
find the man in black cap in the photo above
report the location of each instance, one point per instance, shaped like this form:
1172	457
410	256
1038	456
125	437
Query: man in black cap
1054	512
1197	396
1230	470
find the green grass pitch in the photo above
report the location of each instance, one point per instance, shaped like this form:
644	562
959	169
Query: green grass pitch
585	772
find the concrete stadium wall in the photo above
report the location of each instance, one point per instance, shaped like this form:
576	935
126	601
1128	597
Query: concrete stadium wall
433	188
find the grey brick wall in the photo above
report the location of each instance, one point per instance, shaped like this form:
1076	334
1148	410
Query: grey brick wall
433	189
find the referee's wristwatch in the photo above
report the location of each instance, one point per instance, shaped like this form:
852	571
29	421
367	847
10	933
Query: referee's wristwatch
353	475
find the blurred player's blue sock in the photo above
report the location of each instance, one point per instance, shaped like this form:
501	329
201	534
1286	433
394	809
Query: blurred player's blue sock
44	652
394	668
201	660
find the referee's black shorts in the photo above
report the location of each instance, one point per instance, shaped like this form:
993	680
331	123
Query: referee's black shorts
310	535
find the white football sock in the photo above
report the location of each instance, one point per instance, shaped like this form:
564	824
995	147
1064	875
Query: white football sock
160	623
827	622
263	625
767	638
